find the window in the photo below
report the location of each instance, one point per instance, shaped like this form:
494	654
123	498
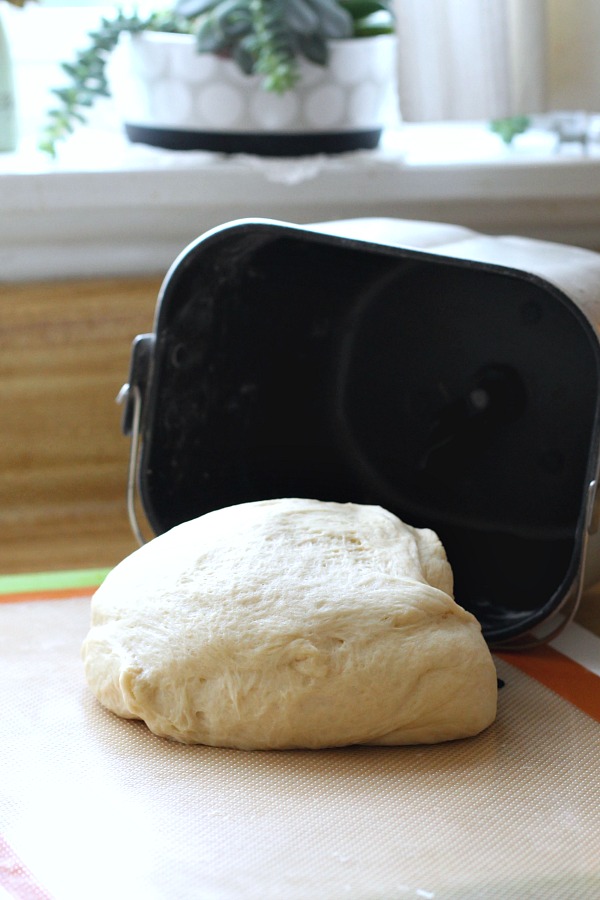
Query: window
118	209
458	59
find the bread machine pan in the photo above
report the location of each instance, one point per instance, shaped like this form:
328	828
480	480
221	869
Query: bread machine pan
450	377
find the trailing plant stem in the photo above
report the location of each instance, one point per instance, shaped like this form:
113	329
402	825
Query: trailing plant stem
272	49
87	74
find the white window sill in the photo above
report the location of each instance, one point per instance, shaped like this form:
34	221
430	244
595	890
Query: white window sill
107	208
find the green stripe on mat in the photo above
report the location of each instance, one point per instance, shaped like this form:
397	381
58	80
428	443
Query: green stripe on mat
51	581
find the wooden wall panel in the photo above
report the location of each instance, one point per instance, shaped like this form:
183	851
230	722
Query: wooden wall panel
64	354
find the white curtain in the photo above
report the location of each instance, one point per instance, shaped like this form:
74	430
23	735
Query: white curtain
471	59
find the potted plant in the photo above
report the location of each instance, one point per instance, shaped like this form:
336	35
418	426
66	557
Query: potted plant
274	77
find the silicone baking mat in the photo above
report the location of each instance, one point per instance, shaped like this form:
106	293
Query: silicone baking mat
97	808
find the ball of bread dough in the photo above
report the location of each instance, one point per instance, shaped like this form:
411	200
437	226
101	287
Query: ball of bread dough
291	623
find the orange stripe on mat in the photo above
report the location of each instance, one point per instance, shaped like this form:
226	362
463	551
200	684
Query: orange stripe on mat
562	675
59	594
16	878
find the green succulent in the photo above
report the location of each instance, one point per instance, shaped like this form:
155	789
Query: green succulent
268	37
264	37
509	128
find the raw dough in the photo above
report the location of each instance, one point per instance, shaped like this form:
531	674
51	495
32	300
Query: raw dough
291	623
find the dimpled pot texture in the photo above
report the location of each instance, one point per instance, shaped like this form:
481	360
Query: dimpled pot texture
164	89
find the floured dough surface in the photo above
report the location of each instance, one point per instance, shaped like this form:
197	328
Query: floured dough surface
291	623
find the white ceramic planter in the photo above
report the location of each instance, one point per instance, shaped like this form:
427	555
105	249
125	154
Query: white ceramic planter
168	95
